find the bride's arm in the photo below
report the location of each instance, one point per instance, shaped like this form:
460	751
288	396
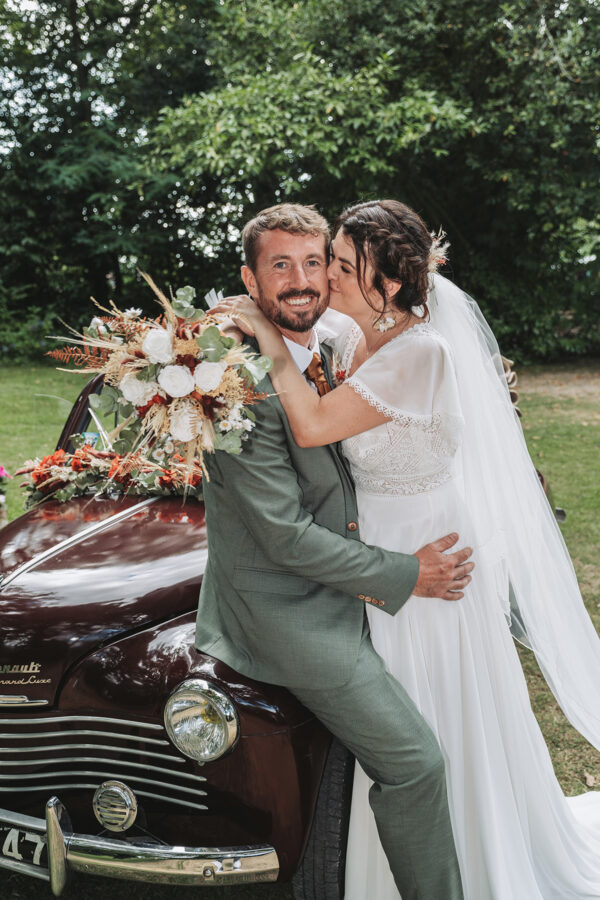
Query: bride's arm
314	420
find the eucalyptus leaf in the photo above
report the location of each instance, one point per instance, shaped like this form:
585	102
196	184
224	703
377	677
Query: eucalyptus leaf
212	344
121	446
229	441
95	401
186	295
65	493
148	373
257	367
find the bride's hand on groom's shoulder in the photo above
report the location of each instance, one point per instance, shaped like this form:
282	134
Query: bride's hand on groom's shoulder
443	574
243	312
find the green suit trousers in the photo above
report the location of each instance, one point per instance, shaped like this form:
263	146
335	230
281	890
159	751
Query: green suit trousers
375	718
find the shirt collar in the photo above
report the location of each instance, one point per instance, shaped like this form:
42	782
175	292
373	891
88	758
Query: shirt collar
301	355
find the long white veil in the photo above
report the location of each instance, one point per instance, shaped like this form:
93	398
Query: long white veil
519	535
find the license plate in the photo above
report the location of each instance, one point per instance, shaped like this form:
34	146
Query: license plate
23	846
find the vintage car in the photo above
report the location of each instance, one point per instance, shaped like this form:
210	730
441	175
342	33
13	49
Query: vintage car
126	752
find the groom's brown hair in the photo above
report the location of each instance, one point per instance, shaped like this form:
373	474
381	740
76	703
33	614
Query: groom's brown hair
291	217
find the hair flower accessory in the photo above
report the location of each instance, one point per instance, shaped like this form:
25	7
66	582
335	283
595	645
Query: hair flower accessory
438	254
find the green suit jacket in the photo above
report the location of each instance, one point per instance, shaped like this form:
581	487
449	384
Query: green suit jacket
287	578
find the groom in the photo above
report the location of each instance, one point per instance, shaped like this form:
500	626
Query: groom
287	579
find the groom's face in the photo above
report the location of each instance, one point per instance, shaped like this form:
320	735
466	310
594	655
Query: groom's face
290	282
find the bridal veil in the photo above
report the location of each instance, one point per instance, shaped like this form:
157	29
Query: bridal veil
518	533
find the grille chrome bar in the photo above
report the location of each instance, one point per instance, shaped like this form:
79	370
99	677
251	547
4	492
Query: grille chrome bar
165	757
70	786
50	720
104	775
95	759
25	735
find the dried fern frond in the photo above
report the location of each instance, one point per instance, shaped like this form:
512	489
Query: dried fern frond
89	356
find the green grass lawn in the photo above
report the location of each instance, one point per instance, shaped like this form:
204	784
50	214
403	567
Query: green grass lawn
563	434
34	403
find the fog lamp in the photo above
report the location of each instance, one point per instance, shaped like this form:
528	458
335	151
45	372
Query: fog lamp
201	720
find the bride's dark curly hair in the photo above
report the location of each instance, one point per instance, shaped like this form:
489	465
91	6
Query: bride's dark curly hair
395	240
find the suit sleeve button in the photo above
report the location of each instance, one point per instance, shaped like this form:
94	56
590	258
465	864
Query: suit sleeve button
352	526
361	597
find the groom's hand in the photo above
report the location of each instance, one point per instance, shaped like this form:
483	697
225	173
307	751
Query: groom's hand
443	574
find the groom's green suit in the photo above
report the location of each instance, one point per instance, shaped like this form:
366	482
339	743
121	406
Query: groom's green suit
283	600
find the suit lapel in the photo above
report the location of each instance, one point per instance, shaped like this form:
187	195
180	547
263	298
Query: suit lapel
335	449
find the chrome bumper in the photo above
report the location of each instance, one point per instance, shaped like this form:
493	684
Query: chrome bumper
134	861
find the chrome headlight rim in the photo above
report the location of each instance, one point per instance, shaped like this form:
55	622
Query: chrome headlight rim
220	701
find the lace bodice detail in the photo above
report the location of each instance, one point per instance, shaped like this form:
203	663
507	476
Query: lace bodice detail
411	379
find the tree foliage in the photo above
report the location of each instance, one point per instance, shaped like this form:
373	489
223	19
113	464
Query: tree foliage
139	132
482	116
83	82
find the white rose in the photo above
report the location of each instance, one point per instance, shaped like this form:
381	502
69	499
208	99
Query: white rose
225	425
184	425
158	346
208	375
136	391
176	381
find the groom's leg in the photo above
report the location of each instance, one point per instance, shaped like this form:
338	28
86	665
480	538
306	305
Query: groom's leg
375	718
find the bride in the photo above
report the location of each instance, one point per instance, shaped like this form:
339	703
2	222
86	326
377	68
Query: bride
427	425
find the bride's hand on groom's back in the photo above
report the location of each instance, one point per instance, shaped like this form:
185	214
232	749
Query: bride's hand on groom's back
443	574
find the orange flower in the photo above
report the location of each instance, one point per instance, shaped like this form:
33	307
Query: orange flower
81	458
142	410
167	478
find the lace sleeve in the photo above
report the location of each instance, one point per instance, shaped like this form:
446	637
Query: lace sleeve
411	380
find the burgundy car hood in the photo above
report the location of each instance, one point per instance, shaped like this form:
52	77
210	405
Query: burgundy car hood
79	574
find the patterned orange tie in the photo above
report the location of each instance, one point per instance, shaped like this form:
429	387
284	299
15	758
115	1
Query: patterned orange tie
315	373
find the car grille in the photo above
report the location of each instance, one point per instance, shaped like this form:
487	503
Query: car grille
41	755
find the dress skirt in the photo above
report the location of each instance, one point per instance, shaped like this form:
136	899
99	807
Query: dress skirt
517	836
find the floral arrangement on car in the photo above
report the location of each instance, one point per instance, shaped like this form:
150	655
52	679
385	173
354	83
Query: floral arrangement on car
180	387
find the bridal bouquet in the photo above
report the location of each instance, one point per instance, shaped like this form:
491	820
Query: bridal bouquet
180	387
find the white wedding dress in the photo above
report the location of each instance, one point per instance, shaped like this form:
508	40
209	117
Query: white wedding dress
517	836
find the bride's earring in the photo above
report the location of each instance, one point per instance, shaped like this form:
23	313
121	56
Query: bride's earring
384	322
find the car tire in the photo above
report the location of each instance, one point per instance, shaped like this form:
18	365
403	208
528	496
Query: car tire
321	875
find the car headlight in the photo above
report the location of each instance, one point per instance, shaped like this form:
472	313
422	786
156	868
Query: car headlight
201	720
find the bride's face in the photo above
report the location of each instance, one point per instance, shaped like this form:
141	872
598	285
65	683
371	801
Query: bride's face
345	294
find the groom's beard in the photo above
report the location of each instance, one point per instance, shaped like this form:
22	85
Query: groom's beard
297	319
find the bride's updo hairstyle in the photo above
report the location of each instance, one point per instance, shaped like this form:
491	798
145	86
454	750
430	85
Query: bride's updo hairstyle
395	240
